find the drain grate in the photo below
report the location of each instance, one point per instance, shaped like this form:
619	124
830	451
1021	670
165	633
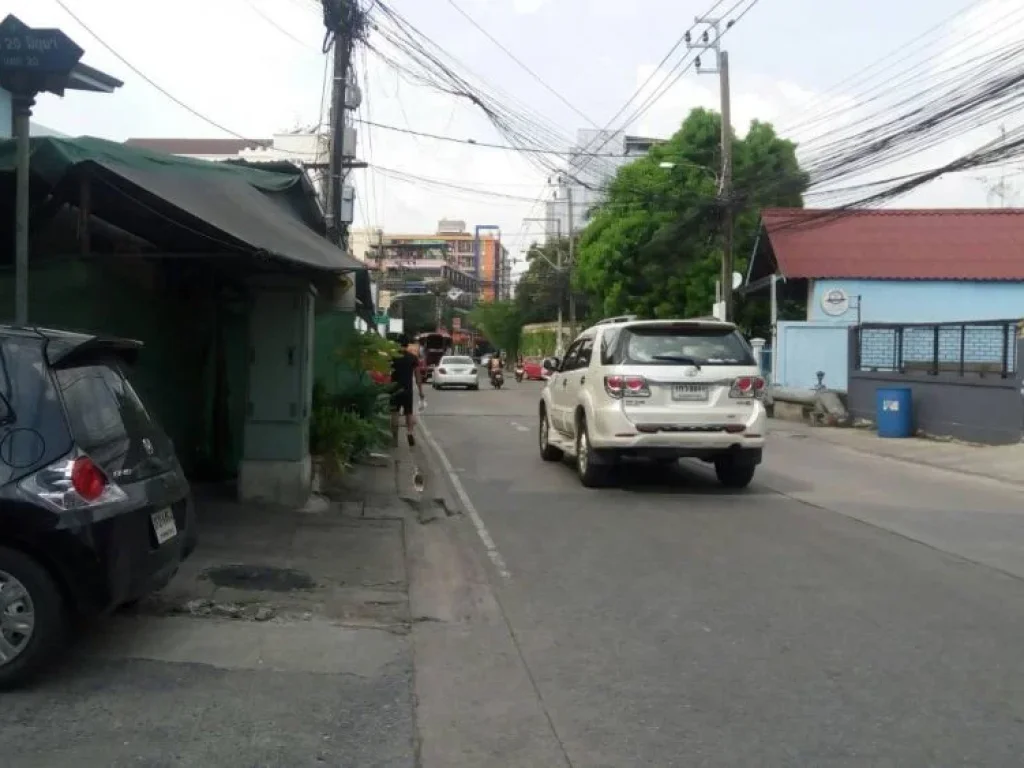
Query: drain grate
259	578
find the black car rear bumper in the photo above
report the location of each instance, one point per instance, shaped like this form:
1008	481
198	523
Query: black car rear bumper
116	560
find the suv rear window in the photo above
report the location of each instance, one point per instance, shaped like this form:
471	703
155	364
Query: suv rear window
675	344
110	423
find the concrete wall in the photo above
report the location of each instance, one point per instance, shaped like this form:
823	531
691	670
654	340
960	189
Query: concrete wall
807	347
984	408
918	301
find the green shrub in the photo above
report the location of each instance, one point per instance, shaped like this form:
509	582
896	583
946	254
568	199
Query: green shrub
349	425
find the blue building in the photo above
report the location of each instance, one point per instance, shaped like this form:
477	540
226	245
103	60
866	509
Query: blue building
829	270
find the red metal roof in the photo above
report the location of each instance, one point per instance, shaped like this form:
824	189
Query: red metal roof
898	244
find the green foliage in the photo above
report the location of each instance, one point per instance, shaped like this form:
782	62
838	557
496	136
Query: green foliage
539	343
368	352
654	248
349	425
419	313
542	287
501	322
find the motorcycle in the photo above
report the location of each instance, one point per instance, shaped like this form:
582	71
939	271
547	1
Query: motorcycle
497	379
519	373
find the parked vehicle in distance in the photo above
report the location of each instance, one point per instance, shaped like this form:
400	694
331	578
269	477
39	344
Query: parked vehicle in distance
657	389
456	371
433	346
95	511
533	370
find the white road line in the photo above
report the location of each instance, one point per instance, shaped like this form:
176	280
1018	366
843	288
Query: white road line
519	426
467	503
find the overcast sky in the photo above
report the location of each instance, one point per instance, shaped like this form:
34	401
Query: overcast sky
230	61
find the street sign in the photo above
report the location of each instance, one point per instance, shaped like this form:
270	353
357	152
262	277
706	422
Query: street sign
47	51
381	318
456	323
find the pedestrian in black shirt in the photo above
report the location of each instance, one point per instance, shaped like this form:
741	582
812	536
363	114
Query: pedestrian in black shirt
405	372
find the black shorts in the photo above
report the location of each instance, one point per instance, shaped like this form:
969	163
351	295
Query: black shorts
401	402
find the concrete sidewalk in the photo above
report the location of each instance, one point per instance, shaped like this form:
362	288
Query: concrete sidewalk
1004	463
283	641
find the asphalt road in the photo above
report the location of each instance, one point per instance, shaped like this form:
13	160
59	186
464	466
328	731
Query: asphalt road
844	610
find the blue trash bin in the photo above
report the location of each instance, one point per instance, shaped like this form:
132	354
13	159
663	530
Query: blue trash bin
894	412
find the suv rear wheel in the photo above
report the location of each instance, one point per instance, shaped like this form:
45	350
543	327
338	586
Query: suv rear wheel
548	452
734	472
32	617
591	472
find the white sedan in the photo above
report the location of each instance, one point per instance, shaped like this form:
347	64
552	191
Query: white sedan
456	372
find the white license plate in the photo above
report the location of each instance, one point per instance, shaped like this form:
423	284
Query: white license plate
164	526
691	392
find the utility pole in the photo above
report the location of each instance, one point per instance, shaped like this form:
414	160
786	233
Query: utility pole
339	18
721	68
559	350
572	261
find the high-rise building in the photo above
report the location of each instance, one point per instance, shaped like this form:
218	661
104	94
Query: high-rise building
593	163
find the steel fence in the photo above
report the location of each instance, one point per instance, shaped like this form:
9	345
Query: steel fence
969	348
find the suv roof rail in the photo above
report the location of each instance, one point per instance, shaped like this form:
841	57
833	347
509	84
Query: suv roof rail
616	319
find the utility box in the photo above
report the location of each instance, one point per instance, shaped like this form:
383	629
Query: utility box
348	204
280	374
348	141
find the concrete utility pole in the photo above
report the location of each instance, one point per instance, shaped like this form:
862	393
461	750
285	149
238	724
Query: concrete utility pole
559	349
572	262
721	68
338	18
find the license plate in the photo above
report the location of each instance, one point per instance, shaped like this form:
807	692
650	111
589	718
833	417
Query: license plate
164	526
691	392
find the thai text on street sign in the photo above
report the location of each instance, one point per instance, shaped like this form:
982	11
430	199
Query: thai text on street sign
35	60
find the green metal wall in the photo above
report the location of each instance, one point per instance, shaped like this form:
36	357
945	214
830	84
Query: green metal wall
174	372
332	331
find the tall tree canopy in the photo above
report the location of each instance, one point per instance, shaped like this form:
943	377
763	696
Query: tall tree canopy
542	285
501	323
654	247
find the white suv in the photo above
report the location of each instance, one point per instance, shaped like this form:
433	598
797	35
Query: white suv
659	389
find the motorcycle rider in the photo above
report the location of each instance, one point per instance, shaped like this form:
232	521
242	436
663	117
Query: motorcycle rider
495	365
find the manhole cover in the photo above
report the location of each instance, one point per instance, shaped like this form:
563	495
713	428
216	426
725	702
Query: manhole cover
259	578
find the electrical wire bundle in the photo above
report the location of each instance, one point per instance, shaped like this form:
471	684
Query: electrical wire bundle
417	58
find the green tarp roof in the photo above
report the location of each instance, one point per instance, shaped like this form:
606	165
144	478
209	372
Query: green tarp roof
228	207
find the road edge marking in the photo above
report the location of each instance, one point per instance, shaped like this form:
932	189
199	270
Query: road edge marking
481	529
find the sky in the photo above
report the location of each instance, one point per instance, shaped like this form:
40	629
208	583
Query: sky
255	67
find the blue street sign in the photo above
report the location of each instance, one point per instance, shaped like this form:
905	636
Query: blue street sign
38	51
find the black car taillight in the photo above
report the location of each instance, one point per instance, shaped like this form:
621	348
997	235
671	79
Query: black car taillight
74	482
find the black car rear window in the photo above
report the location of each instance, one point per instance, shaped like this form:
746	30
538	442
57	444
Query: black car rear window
109	422
673	344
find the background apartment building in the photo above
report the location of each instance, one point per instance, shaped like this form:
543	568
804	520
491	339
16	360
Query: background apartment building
592	164
478	257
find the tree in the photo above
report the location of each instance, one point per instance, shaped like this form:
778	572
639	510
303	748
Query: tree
654	247
542	286
501	323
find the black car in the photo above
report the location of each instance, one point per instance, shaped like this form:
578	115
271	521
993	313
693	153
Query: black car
95	511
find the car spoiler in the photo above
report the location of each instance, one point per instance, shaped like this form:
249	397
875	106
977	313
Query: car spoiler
74	352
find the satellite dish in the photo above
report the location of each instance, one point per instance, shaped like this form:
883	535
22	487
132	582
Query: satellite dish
737	280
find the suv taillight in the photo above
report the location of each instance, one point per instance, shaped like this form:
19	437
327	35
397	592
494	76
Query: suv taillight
626	386
72	483
747	386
